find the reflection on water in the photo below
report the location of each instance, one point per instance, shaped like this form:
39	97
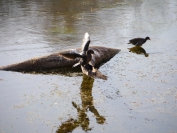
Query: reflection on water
138	50
87	104
67	71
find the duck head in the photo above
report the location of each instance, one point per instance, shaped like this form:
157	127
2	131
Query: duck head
147	38
89	52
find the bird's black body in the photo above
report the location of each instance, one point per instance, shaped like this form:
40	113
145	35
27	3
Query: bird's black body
85	59
138	41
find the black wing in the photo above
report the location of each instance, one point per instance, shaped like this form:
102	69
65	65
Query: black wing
86	42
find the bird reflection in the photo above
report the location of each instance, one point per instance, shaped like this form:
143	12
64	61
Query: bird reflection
87	105
138	50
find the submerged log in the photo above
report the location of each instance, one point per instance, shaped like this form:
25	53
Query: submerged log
55	60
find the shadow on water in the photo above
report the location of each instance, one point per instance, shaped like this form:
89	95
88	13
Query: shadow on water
67	71
82	119
138	50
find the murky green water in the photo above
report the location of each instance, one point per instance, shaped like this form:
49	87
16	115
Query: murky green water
140	94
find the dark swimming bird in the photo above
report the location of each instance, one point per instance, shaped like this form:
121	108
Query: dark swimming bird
138	41
86	61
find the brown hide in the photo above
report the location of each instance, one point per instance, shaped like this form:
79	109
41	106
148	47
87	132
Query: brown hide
55	60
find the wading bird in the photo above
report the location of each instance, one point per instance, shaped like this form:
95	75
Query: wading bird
86	61
138	41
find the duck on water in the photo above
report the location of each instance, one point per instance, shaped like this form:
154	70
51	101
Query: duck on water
138	41
86	60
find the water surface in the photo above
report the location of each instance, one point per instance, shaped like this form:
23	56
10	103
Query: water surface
140	94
